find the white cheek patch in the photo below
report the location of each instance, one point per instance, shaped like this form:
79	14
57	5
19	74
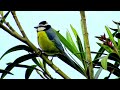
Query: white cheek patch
41	29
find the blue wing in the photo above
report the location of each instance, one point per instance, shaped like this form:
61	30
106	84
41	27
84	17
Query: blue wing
64	57
52	36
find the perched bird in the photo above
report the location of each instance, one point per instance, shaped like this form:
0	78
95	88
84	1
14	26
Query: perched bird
50	44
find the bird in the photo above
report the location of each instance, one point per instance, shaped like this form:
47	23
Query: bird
51	45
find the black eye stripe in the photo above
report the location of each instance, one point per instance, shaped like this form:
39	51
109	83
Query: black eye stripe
42	26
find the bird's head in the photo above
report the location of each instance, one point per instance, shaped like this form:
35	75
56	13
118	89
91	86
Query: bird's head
42	26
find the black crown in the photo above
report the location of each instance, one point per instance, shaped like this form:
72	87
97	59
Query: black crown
43	22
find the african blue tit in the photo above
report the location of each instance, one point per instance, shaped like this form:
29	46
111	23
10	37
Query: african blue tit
50	44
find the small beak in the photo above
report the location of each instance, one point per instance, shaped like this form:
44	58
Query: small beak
36	27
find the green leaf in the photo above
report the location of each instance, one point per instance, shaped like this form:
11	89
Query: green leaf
70	40
19	47
18	60
104	62
29	71
73	64
82	52
23	66
74	31
107	48
101	50
113	29
98	73
44	65
38	63
5	71
111	67
26	66
118	23
111	37
79	43
114	57
68	45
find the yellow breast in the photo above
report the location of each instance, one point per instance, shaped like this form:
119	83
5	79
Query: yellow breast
45	44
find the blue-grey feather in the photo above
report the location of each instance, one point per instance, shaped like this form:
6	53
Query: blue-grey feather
53	36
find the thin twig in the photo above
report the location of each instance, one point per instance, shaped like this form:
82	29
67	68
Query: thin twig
48	74
44	70
14	34
10	27
18	24
98	53
54	67
37	51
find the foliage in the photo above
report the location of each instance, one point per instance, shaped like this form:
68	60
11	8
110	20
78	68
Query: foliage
112	47
75	47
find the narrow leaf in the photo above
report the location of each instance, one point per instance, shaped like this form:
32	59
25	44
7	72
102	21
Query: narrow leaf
104	62
82	52
79	43
29	71
101	50
74	31
98	73
117	35
38	63
68	45
18	60
15	48
5	71
70	40
107	48
114	29
44	65
111	37
23	66
118	23
114	56
110	67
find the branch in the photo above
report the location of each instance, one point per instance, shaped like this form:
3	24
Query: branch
18	24
86	44
37	51
14	34
10	27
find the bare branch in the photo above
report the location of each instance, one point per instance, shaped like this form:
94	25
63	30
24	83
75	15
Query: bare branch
14	34
10	27
18	24
30	44
37	51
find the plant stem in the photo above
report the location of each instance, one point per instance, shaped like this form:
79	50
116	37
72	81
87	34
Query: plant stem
86	44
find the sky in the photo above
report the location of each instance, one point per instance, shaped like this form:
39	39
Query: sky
59	20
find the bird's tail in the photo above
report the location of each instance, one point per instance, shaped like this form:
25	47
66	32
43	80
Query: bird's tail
64	57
